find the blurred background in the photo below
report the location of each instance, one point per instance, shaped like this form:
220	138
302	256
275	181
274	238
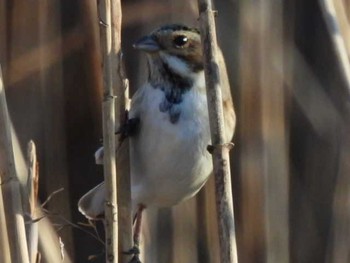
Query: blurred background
288	63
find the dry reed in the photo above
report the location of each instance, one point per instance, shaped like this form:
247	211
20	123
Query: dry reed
11	189
121	90
221	148
32	230
109	142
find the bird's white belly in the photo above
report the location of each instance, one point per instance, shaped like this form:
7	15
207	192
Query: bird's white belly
170	162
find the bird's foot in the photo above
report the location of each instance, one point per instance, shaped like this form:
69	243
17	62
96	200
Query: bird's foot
132	251
135	252
135	259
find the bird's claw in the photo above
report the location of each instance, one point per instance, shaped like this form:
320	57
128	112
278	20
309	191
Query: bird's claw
135	251
132	251
135	259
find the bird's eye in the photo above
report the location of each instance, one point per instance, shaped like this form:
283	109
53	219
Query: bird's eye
180	41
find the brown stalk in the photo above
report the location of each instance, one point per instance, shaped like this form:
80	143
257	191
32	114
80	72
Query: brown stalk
220	147
10	186
32	188
109	142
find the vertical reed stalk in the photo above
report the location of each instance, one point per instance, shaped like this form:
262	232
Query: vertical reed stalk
10	186
334	13
121	89
4	239
221	148
31	209
109	142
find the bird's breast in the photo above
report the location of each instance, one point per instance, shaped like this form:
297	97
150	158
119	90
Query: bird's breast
170	160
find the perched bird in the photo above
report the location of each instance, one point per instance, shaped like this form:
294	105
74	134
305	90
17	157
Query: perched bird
168	146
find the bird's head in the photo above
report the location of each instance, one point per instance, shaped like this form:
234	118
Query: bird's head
175	47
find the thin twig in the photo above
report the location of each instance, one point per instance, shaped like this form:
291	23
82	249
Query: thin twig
69	223
51	195
220	147
92	225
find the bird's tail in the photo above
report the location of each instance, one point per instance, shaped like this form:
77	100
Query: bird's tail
91	204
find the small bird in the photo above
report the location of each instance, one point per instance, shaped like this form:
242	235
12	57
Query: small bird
170	125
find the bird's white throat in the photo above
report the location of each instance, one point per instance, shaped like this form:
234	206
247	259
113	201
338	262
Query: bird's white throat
180	67
176	64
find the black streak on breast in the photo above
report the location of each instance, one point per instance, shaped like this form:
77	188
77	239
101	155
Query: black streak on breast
174	86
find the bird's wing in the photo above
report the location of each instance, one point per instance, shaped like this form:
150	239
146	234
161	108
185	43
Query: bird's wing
229	113
91	205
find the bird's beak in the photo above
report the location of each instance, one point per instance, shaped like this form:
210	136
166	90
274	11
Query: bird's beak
147	44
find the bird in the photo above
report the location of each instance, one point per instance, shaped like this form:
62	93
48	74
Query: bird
168	125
